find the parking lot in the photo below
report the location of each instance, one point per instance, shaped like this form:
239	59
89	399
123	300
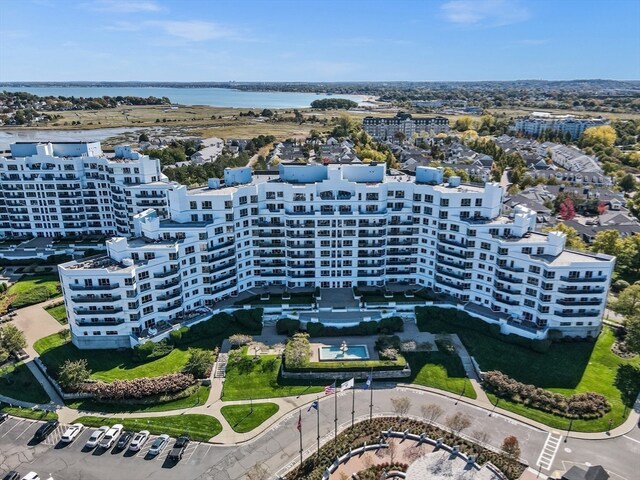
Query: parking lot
18	451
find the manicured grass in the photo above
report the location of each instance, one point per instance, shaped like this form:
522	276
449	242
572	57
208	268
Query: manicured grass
199	397
31	289
566	368
351	365
33	414
200	427
17	381
441	371
244	418
108	365
259	379
59	313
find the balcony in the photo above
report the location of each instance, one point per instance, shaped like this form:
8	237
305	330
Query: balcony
269	244
84	311
375	273
370	254
215	258
111	286
365	264
583	279
452	242
100	323
511	268
576	314
298	255
222	278
507	278
301	245
570	302
169	296
299	235
279	273
306	266
453	254
223	288
223	267
170	308
450	263
397	271
505	289
506	301
164	286
276	234
452	274
93	299
569	291
268	264
169	273
270	224
448	283
398	242
401	261
218	246
302	275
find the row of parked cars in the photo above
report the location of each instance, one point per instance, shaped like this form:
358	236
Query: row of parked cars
106	437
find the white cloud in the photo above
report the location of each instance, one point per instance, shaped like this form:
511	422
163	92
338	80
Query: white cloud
485	12
193	30
123	6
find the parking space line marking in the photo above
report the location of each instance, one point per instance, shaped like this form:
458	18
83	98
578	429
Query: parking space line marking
28	427
632	439
192	451
17	423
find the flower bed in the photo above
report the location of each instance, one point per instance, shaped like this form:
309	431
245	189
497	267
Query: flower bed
585	406
139	387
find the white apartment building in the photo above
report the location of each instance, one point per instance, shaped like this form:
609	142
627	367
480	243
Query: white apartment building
386	128
70	188
333	226
539	122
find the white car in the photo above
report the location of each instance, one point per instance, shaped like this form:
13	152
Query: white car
139	440
71	433
96	436
159	444
111	436
31	476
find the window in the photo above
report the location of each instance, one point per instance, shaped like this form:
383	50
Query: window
444	202
465	202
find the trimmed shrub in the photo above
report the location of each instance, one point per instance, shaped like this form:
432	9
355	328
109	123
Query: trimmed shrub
139	387
175	337
391	325
287	326
144	350
387	341
315	329
249	319
620	285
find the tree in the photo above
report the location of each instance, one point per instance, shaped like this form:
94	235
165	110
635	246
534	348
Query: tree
632	338
257	347
12	339
604	135
566	209
607	241
73	373
258	472
458	422
574	242
401	405
143	137
511	447
628	183
240	339
628	302
481	436
199	362
297	351
431	412
399	136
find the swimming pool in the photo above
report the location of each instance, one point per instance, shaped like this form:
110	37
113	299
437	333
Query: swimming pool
354	352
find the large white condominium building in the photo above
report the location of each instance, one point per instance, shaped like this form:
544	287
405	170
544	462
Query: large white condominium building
539	122
333	226
65	189
387	128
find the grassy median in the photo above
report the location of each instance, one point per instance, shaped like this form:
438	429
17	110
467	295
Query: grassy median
244	418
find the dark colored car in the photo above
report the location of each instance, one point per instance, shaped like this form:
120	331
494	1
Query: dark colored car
45	430
12	475
3	417
179	447
124	440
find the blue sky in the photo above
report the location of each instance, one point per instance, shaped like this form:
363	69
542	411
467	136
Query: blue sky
313	40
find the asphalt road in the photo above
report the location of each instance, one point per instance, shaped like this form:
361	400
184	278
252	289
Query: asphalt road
278	447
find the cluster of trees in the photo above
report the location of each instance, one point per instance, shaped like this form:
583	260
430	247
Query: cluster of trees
297	351
365	147
579	405
334	104
12	340
501	159
15	100
485	125
605	142
176	151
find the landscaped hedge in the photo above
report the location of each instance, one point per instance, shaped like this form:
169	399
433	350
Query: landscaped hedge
384	326
369	431
585	406
287	326
440	320
246	321
139	387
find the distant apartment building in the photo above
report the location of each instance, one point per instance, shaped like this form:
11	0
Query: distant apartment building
539	122
386	128
333	226
71	188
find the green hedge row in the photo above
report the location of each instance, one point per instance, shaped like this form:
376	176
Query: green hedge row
286	326
250	322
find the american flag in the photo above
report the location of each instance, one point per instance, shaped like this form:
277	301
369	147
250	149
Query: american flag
330	389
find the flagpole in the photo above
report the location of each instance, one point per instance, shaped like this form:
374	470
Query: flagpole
335	410
353	403
300	430
371	397
318	419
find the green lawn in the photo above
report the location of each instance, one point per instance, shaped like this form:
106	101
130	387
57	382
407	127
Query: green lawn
566	368
349	365
200	427
33	414
441	371
199	397
31	289
59	313
17	381
244	418
108	365
260	379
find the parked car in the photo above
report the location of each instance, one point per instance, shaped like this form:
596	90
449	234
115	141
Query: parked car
31	476
111	436
139	440
159	444
12	475
96	436
71	433
45	430
3	417
124	440
179	447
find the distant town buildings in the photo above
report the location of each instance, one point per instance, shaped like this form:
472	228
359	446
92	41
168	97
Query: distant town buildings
382	128
539	122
